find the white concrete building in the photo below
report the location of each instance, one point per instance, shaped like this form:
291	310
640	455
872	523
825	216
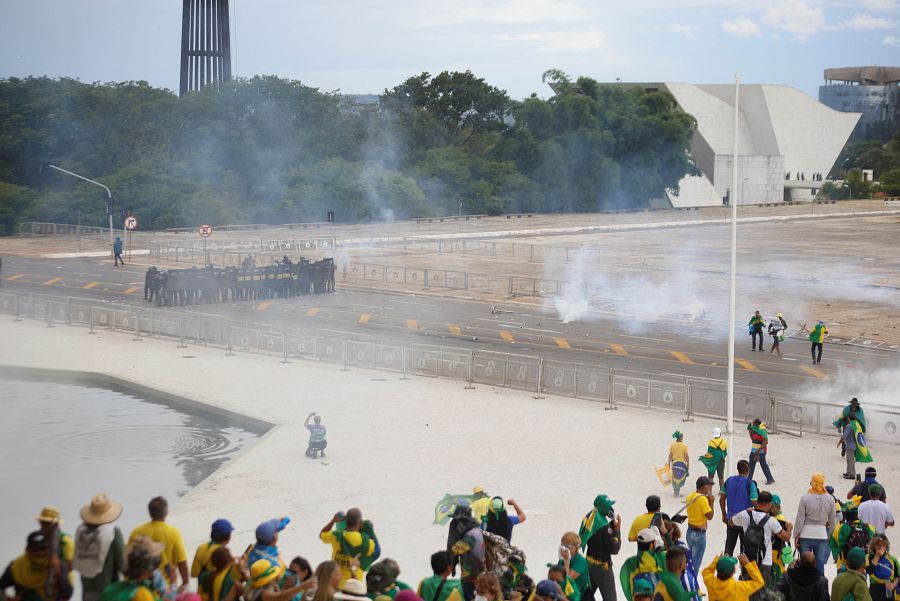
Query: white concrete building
787	141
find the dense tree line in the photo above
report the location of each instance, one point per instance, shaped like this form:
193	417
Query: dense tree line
882	158
270	150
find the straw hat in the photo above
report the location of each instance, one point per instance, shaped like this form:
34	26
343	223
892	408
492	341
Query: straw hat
49	515
354	590
145	544
101	510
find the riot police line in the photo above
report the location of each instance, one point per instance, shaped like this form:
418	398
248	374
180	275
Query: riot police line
284	279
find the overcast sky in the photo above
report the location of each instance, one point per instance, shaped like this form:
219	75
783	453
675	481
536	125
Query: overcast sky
360	46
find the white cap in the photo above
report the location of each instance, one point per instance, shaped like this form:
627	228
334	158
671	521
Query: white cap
650	535
717	432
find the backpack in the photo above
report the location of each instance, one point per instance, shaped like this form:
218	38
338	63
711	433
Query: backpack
859	537
755	538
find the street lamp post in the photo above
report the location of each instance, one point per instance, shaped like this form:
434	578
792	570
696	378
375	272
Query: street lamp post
108	195
729	394
742	188
849	191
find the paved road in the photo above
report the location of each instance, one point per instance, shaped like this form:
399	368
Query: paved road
672	348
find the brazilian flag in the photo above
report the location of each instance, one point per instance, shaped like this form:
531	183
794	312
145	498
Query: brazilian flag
714	454
444	509
759	430
860	416
591	523
862	451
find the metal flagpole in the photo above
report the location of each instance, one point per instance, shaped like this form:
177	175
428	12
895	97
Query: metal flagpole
731	305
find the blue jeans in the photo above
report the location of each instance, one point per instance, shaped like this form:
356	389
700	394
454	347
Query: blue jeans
760	458
819	547
696	540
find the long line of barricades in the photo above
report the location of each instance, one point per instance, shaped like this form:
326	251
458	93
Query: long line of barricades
610	386
230	284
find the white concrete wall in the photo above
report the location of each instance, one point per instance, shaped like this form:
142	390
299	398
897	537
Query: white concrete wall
780	129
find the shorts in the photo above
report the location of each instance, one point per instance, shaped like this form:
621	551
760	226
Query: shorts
318	445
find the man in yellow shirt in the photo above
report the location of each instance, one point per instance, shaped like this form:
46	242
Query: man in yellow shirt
348	541
699	512
174	555
481	503
721	585
645	520
679	462
219	536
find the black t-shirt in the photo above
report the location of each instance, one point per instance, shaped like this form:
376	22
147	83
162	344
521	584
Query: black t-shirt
605	543
862	489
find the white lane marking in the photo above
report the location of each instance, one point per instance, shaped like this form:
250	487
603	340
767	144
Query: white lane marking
345	332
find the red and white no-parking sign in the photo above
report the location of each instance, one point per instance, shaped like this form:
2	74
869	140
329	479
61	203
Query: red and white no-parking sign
205	230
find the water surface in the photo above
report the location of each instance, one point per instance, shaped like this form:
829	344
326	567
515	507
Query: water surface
61	443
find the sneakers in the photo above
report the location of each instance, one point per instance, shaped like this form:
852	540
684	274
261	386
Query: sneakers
770	481
849	477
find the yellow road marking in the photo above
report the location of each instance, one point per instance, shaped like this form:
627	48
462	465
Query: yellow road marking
15	277
618	349
411	324
365	317
89	286
746	364
130	290
263	305
51	282
814	372
506	336
681	357
562	343
454	329
312	312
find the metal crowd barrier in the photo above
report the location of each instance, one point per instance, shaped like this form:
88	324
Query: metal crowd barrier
683	396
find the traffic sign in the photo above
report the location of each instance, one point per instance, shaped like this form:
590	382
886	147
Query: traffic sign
131	223
205	230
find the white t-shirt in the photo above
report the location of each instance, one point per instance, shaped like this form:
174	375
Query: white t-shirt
772	528
875	513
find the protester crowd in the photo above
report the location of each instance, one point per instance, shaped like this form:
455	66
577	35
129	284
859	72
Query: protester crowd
764	556
777	329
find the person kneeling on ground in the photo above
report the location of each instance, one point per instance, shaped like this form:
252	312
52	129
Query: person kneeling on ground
721	584
317	442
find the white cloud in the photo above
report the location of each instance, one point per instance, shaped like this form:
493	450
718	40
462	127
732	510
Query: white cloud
797	17
501	12
879	5
890	40
866	22
554	42
688	31
742	27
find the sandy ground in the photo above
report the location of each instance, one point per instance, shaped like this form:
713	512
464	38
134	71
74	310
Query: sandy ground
396	446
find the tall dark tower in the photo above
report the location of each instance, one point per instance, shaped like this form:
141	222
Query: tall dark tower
205	44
